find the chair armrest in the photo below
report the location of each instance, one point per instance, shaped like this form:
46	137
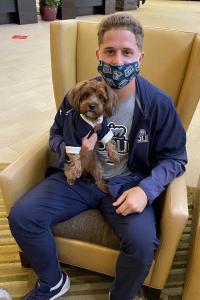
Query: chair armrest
173	220
191	88
192	280
21	175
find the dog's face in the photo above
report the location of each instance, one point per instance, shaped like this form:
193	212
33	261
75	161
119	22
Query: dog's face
93	99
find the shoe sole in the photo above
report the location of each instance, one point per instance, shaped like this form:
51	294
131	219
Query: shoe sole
64	290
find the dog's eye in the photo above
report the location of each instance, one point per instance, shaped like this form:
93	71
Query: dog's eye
85	95
102	98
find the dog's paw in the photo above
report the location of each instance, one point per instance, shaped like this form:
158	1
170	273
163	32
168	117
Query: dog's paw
78	173
112	152
70	174
70	181
114	156
78	168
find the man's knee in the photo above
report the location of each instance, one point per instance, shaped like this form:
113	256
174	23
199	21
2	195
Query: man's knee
20	216
15	214
141	248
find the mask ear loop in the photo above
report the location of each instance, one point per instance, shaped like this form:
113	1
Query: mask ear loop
139	56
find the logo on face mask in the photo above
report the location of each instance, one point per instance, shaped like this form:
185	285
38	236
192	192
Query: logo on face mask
118	76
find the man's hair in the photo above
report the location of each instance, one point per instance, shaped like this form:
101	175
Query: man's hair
121	20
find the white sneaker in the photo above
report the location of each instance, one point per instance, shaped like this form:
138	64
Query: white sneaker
109	295
4	295
42	292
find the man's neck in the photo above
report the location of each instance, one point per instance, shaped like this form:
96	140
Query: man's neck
126	91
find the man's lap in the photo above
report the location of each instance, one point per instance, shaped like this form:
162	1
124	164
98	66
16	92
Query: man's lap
137	225
53	200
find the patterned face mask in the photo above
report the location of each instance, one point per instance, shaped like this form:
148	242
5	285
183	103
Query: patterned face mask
118	76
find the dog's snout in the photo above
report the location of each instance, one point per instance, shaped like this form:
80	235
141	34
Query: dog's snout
92	106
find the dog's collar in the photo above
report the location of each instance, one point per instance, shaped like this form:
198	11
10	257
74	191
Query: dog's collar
92	123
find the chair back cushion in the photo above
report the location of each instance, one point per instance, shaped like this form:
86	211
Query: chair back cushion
169	55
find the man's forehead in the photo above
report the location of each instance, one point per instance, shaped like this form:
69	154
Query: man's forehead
119	30
116	36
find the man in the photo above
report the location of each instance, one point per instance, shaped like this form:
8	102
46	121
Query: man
151	144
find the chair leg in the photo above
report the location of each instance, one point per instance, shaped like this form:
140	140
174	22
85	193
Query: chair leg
151	293
24	260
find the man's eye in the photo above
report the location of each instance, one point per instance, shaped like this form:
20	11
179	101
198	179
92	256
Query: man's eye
109	52
128	52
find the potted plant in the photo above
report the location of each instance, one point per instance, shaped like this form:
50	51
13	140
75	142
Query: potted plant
48	9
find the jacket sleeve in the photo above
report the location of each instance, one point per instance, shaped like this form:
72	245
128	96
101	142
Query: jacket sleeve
104	134
56	139
169	151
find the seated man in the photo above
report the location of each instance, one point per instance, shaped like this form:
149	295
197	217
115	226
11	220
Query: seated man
151	144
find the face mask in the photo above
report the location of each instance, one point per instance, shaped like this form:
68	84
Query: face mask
118	76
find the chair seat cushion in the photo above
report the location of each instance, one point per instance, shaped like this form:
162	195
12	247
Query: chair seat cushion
88	226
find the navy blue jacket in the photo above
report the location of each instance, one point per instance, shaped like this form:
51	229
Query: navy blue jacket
77	126
157	151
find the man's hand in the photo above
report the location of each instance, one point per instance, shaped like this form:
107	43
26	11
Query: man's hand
131	201
88	143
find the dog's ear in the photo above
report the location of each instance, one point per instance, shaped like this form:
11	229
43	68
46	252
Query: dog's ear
74	95
111	102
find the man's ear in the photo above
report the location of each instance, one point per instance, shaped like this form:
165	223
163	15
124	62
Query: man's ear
141	57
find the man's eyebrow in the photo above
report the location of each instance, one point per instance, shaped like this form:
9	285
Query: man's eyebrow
108	48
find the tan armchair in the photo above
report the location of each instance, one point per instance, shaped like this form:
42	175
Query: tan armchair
172	62
192	280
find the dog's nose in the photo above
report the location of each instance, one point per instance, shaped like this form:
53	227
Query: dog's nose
91	106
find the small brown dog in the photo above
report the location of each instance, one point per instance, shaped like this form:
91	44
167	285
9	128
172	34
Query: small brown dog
91	101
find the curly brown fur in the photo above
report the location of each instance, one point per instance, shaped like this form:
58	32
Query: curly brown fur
91	165
93	99
112	151
73	168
